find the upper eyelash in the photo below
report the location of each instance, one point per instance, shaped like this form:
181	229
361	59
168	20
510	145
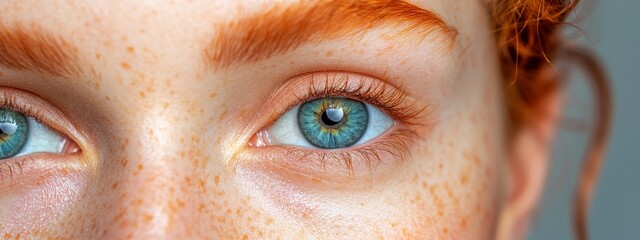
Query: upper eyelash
387	98
9	102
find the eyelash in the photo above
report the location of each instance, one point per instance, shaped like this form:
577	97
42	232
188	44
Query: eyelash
8	167
388	98
13	167
8	101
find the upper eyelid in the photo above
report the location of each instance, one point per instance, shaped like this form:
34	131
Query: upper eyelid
301	83
387	96
33	106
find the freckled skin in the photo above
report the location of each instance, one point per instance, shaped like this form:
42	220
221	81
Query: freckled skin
164	128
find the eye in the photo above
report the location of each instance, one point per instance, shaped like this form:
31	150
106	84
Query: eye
329	123
21	135
336	125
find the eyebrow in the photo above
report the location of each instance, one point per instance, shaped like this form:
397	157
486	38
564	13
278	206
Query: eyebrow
33	49
286	27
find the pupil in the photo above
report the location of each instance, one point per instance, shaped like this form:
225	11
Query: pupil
332	116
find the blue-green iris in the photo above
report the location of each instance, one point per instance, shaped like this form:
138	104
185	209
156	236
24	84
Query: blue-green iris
13	132
333	122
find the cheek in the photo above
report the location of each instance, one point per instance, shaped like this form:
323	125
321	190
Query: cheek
306	211
38	193
456	186
455	190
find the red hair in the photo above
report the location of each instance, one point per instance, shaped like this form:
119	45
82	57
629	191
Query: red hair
529	40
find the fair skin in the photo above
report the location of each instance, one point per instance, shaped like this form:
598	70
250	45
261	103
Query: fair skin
166	141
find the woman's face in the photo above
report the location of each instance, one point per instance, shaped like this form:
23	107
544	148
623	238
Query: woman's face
195	119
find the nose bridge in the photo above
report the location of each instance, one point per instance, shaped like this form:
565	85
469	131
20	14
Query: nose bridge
152	199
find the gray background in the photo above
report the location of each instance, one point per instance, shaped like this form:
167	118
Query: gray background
613	29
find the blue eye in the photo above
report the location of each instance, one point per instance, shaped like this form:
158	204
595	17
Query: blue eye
333	122
330	123
21	135
13	132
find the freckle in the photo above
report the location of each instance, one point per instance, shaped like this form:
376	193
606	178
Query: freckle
147	218
464	179
485	136
125	65
114	185
473	118
107	98
445	230
213	95
1	74
130	49
140	166
98	56
329	53
488	172
216	179
142	95
223	115
181	204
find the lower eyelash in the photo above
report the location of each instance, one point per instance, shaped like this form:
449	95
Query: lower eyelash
12	168
361	158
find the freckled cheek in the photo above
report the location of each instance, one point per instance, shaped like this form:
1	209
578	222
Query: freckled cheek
38	198
327	210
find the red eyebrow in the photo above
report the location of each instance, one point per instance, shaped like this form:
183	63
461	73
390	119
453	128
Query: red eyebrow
32	49
285	27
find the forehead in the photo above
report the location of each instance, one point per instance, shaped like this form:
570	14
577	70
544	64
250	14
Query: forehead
174	14
100	25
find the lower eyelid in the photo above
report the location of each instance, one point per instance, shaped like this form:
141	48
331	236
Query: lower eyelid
361	162
26	171
48	183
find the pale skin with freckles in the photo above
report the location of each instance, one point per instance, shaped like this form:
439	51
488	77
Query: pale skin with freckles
164	137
